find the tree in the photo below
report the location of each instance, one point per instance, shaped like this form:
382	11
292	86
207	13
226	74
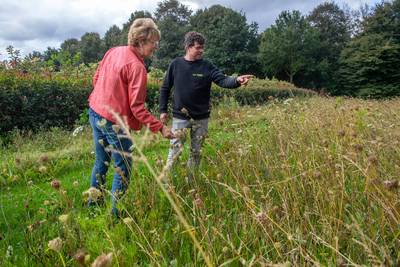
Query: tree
14	56
113	37
369	64
232	44
91	47
47	54
286	47
333	27
71	46
172	19
70	50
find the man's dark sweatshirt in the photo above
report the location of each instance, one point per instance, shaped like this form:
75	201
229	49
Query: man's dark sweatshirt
192	87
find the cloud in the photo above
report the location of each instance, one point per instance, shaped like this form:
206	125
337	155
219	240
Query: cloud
36	24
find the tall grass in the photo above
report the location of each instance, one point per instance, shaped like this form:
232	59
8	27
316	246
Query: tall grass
303	182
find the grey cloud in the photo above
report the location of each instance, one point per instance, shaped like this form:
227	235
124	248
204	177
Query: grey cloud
266	12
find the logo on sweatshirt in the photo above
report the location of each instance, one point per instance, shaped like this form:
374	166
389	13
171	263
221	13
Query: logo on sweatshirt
198	75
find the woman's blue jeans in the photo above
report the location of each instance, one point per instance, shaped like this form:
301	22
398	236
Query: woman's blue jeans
109	144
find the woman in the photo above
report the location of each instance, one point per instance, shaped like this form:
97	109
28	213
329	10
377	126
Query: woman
120	86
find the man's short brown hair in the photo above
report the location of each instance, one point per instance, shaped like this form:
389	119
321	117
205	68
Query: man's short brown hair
193	37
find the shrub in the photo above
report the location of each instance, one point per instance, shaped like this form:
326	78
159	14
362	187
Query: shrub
35	102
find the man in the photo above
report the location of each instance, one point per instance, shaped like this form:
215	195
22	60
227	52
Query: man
191	76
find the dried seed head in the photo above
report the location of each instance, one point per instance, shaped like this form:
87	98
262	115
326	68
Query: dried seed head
358	147
199	203
373	159
246	190
391	184
341	133
63	218
103	260
128	220
55	244
80	257
317	174
42	169
55	184
185	111
93	193
261	217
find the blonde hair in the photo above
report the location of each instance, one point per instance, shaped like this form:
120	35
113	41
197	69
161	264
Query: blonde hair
142	30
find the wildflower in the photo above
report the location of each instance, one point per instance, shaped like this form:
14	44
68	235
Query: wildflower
30	183
358	147
75	183
17	161
63	218
92	193
15	178
43	159
55	244
46	202
160	162
80	256
103	260
341	133
77	131
9	252
55	184
185	111
287	101
261	217
391	184
128	220
199	202
373	159
317	174
42	169
246	190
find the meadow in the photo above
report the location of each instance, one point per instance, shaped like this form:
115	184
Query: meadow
296	182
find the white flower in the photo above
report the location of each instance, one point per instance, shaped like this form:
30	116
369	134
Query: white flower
63	218
55	244
92	193
9	252
287	101
77	131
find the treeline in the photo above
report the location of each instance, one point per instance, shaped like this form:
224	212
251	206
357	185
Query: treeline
331	49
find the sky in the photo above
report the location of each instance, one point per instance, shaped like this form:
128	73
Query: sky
37	24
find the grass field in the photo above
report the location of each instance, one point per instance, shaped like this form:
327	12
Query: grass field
296	182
